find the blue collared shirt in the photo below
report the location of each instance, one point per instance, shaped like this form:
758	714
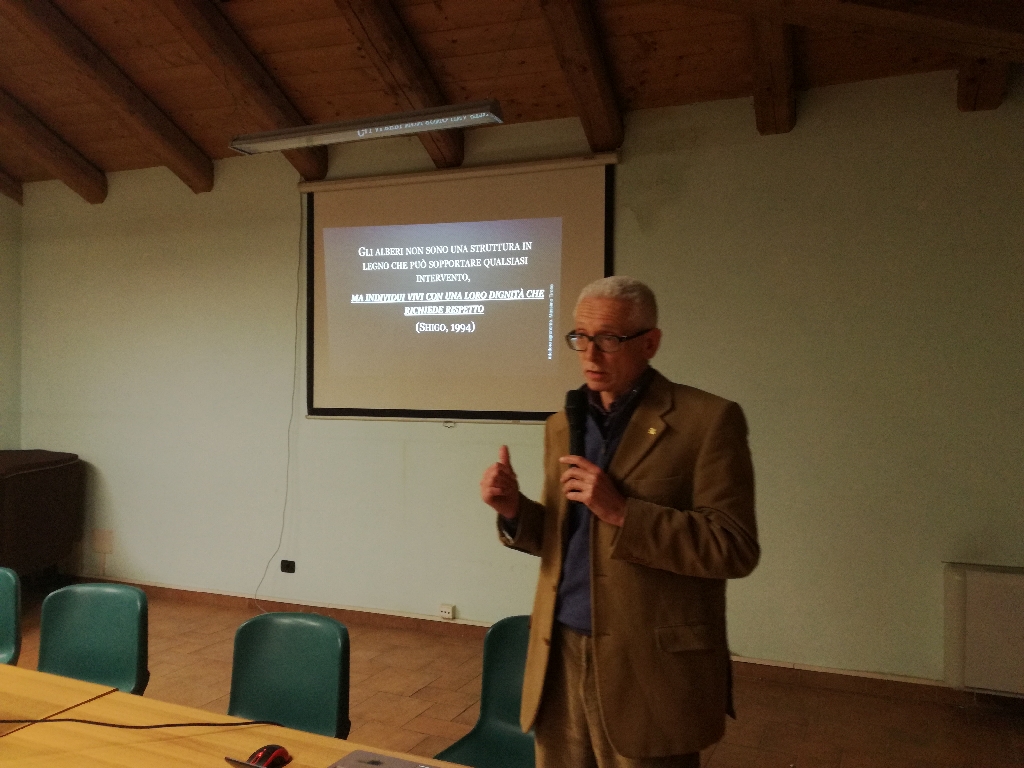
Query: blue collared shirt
604	433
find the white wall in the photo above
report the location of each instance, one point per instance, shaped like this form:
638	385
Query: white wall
10	324
160	344
857	285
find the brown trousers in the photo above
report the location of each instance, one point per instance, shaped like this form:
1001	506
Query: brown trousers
569	730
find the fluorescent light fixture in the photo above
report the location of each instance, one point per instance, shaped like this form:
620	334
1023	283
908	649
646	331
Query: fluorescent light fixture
400	124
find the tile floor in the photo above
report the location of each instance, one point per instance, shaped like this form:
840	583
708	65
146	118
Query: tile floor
418	692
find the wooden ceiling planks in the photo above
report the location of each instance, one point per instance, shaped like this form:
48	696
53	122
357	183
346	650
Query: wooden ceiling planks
383	36
521	63
60	99
960	28
634	18
658	53
49	29
293	36
309	49
666	54
707	62
831	58
544	94
257	14
502	37
579	47
483	51
706	77
452	15
312	61
153	53
1004	15
211	36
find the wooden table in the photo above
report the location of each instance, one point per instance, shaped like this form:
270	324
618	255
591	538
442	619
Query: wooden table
29	695
59	745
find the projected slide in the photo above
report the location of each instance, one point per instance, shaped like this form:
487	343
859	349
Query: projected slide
446	295
477	294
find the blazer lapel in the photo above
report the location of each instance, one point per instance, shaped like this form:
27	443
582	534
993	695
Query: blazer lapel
645	428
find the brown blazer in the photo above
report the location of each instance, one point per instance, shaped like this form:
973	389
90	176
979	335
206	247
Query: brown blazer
658	582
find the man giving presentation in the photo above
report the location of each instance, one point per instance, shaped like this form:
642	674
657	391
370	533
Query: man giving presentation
628	662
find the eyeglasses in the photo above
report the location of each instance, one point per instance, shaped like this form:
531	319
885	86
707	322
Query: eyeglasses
606	342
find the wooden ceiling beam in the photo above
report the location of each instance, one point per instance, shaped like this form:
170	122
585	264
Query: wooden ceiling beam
11	187
771	46
971	31
981	84
382	36
210	34
51	31
31	136
579	50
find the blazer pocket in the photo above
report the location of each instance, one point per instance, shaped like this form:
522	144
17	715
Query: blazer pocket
686	637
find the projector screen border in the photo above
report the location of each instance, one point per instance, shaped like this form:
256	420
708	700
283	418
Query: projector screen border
470	417
608	160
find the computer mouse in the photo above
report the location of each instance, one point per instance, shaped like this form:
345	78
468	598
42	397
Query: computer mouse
270	756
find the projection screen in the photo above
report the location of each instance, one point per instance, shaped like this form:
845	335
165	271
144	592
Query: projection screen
446	295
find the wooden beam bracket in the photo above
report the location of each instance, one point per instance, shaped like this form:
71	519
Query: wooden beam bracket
772	59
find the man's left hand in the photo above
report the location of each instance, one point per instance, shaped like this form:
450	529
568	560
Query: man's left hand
587	483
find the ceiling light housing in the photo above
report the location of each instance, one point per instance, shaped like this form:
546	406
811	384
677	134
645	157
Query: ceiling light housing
400	124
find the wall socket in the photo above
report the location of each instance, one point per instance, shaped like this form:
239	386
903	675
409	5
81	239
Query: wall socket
287	566
447	611
103	541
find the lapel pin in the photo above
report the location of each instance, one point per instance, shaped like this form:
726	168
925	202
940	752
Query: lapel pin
652	431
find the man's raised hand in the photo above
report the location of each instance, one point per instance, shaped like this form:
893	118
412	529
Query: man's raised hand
587	483
499	488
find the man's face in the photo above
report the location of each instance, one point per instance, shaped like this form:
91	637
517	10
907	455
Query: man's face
612	374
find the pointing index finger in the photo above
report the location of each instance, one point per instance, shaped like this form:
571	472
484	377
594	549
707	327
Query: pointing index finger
503	457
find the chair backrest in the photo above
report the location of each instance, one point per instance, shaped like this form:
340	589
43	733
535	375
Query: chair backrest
504	663
98	633
10	616
292	669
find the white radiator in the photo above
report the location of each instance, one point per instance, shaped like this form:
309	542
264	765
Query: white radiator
984	632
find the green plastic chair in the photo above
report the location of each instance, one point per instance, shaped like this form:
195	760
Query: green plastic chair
98	633
292	669
10	616
497	741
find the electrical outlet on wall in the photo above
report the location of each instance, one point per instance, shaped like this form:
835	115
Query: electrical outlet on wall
447	611
102	547
103	541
